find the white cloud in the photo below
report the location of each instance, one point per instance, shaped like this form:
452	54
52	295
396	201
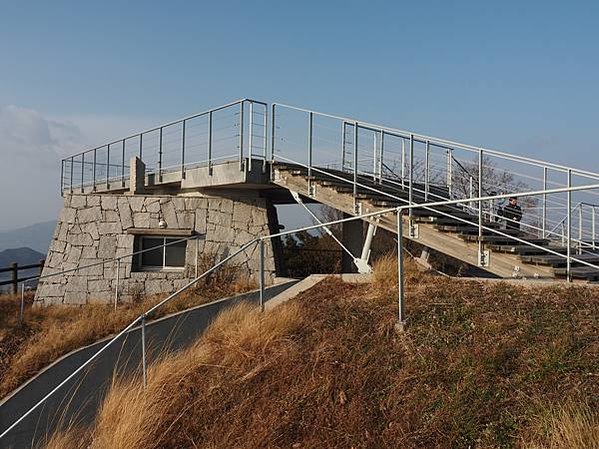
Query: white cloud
31	147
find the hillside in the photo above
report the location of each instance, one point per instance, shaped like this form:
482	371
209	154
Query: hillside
37	237
483	365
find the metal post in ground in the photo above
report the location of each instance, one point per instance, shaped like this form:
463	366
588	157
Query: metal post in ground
310	143
569	230
356	211
123	165
580	233
400	272
481	255
381	156
273	128
593	225
544	220
426	169
144	362
411	181
261	275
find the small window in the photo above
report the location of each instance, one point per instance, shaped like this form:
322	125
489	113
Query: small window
162	257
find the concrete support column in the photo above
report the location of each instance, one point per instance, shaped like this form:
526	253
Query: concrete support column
352	238
137	176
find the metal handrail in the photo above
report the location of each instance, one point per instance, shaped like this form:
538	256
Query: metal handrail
443	143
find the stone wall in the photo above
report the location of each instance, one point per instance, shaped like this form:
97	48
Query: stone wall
94	228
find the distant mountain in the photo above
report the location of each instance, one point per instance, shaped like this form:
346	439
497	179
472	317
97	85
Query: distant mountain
36	237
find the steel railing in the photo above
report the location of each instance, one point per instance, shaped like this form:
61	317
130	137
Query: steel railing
366	150
234	131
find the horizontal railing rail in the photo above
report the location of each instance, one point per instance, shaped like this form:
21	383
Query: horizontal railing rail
181	143
14	269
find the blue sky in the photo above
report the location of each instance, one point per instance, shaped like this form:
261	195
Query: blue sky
517	76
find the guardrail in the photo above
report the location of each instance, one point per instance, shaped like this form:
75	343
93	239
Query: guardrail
14	270
436	169
234	131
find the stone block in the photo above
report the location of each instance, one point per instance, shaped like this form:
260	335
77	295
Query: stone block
89	252
90	214
125	213
141	219
93	200
112	216
107	247
136	203
109	228
109	202
76	284
152	205
78	201
72	297
170	215
91	229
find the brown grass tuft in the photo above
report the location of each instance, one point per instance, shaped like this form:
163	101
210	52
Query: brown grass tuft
571	426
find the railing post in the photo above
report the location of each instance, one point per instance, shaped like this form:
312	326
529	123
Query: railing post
449	172
593	225
210	143
261	243
250	134
481	256
343	142
411	181
160	156
544	219
382	155
400	271
94	170
355	191
108	167
569	229
374	157
426	170
141	145
241	135
183	150
580	233
403	163
116	290
123	165
82	168
310	143
72	169
144	362
14	277
265	149
272	134
61	176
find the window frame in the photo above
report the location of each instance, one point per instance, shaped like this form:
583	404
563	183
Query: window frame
164	268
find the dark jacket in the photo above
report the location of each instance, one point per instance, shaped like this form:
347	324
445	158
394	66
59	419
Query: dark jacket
512	215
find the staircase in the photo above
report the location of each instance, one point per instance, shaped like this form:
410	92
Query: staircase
452	230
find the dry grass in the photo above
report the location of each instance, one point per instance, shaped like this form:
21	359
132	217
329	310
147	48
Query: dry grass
50	332
571	426
476	366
